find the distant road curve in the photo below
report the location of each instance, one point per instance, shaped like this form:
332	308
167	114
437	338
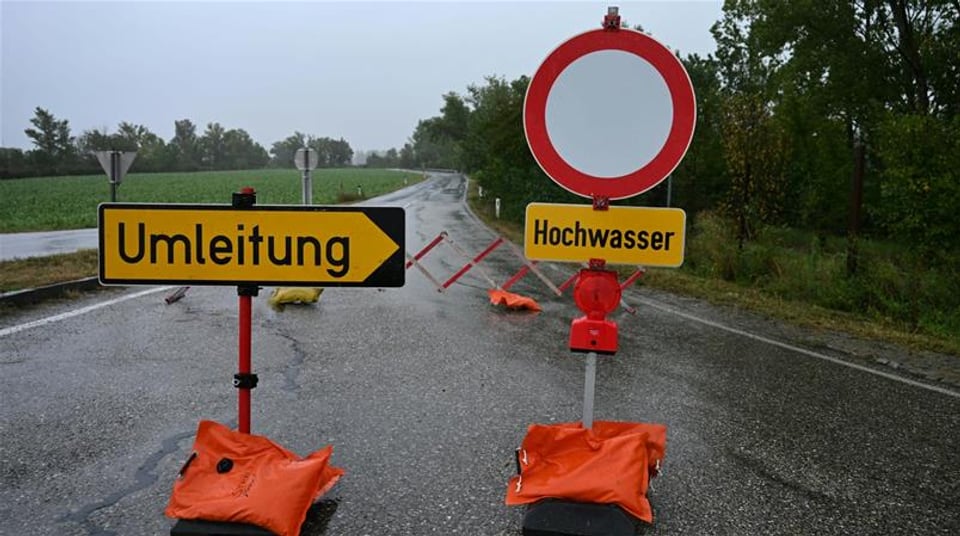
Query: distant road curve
43	243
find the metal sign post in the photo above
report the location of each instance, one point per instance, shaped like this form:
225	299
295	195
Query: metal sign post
589	389
306	160
115	164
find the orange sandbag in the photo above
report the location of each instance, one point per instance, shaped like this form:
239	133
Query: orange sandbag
610	463
244	478
512	301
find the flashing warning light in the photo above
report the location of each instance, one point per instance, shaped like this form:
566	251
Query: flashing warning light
597	293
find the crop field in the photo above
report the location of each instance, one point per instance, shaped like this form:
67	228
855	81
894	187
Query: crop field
53	203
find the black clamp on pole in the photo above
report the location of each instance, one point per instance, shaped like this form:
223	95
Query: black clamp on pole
611	21
245	380
248	290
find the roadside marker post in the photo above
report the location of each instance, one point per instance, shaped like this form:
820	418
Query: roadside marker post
306	160
608	115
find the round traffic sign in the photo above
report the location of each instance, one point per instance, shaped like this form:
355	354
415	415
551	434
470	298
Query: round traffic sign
609	113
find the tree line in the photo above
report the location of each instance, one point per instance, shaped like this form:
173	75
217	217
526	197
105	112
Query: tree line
840	118
57	152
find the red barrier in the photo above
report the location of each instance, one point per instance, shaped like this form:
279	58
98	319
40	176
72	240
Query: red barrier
636	275
518	276
566	284
426	249
496	243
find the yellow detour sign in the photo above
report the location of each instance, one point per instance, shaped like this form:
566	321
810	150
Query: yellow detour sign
619	235
265	244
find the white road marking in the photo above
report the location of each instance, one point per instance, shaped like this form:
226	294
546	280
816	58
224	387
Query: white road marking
77	312
803	351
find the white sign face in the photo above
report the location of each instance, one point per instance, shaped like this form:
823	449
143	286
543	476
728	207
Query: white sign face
305	159
609	113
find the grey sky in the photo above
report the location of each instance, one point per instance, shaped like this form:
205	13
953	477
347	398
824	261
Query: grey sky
361	70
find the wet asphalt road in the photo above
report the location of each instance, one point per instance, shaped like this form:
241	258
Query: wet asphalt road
425	395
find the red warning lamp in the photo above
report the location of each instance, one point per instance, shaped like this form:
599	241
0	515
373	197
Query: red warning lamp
597	293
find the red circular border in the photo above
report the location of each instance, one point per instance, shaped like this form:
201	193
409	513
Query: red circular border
655	171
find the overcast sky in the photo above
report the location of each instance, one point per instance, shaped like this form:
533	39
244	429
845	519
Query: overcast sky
363	71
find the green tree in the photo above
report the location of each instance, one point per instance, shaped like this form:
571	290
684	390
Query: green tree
921	159
185	145
495	149
700	179
282	152
241	152
51	137
212	147
13	163
754	146
93	140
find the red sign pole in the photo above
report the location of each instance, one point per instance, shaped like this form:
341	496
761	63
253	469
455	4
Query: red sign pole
244	368
244	380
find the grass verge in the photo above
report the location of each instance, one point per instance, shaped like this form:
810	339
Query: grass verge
748	296
42	271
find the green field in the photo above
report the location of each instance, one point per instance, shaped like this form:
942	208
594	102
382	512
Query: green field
52	203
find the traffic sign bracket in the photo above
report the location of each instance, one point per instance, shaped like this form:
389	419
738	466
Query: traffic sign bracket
611	21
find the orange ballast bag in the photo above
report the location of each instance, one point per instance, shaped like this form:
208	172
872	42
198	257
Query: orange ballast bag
511	300
244	478
610	463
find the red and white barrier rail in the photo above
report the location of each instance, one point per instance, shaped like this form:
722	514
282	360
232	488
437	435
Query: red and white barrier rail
474	262
528	267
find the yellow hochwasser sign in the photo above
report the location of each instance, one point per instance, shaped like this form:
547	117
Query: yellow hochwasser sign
266	244
620	235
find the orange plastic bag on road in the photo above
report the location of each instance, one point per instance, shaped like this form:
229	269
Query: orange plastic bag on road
511	300
244	478
611	463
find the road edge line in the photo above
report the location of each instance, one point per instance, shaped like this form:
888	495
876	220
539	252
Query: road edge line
808	353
